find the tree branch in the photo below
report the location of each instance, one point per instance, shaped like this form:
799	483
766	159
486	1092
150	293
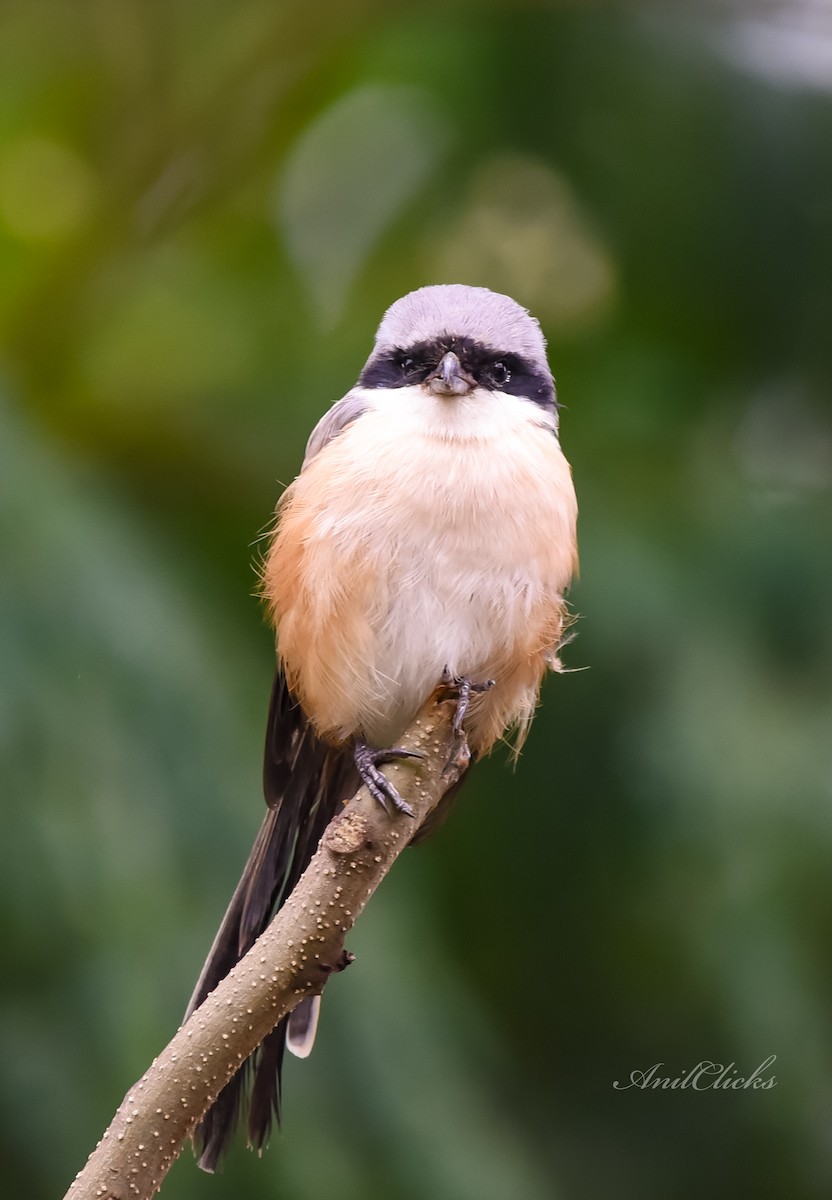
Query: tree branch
293	958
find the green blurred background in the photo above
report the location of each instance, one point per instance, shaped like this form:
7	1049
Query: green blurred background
204	210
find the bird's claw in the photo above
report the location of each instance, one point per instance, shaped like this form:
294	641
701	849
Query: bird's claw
465	688
376	782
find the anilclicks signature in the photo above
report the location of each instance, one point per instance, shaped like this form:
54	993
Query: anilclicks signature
705	1076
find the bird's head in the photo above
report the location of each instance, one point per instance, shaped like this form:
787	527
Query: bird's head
452	339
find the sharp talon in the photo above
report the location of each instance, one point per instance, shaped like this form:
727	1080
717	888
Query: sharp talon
396	752
377	784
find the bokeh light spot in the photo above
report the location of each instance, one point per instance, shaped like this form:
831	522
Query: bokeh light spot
46	189
349	176
522	232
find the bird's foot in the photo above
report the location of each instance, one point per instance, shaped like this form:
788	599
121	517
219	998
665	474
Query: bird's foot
465	688
377	784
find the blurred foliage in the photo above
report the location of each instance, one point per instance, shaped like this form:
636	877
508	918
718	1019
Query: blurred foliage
204	210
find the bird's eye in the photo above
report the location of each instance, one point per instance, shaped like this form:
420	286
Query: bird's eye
499	374
405	364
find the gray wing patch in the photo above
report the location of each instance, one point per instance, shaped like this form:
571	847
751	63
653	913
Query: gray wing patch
333	422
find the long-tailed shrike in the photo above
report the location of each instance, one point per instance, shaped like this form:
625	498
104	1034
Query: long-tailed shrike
429	535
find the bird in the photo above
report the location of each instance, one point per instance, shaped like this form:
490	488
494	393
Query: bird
430	536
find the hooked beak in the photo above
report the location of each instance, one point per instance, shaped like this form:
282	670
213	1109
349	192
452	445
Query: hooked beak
449	379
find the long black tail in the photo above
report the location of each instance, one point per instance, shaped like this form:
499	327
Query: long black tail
305	782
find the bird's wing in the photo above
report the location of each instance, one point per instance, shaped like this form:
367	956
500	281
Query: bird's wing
343	413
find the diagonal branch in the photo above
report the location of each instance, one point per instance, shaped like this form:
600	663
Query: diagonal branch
293	958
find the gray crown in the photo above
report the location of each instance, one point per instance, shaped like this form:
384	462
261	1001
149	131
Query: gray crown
473	312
